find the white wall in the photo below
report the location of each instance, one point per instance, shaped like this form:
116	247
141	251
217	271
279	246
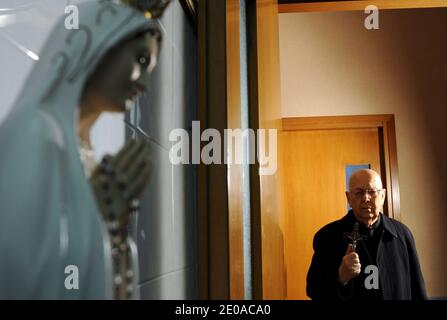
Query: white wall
28	25
166	229
332	65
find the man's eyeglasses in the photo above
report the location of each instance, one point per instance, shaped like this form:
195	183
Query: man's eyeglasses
359	193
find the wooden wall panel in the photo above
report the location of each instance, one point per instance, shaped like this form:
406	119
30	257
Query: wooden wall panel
213	188
234	170
269	117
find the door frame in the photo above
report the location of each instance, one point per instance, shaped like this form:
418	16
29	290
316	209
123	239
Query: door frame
213	223
287	6
385	123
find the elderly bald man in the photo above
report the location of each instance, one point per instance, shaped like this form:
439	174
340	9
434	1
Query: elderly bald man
383	265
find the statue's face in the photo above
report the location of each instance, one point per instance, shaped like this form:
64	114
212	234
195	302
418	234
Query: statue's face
124	73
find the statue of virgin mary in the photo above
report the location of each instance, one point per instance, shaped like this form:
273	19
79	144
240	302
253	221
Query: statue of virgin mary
55	241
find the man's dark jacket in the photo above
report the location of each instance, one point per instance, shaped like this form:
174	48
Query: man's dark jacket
400	276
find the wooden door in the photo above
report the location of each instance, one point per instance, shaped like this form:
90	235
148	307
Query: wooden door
314	186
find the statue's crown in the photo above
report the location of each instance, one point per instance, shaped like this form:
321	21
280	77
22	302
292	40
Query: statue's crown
152	8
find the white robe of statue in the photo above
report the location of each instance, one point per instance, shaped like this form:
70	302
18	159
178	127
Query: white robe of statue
48	215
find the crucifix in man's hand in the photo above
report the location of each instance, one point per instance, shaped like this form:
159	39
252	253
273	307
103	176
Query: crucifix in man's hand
354	236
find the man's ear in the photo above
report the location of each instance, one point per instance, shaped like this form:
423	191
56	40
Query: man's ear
383	195
348	197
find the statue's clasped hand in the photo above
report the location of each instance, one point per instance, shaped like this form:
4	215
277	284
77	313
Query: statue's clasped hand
118	182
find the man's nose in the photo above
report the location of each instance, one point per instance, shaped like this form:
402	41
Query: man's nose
366	196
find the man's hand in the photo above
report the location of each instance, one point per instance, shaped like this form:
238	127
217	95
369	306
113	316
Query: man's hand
350	266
